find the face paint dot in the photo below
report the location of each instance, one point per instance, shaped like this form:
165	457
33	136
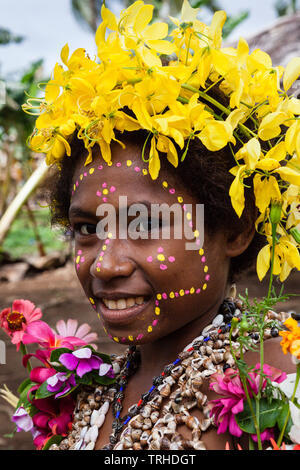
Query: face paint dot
74	187
176	294
82	259
157	310
105	191
102	253
145	172
98	270
123	339
187	291
104	199
201	251
192	290
130	338
91	300
196	233
198	241
81	177
79	252
154	323
91	171
77	259
180	199
198	291
112	189
109	163
129	163
165	184
172	191
149	259
207	277
163	267
77	183
98	193
203	259
104	185
188	215
104	247
181	292
160	249
116	339
172	295
118	164
156	302
205	269
85	173
137	169
140	336
164	296
204	286
98	265
160	257
100	167
107	241
158	296
184	207
109	235
171	259
149	329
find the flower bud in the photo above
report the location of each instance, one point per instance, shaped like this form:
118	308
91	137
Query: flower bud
275	212
295	234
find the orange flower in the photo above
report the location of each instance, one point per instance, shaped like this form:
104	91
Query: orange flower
291	339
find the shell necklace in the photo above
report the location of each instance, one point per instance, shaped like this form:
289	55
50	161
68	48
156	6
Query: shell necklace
152	422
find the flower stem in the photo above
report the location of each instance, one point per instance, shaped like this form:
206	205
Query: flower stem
289	411
24	352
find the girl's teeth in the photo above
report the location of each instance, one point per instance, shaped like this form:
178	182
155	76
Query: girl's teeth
120	304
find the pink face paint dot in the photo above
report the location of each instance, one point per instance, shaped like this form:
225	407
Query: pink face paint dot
203	259
79	252
107	241
191	223
100	167
104	185
160	249
137	169
140	336
98	193
123	340
82	259
172	191
104	199
207	277
157	303
77	267
198	241
186	291
118	164
102	253
176	294
163	267
164	296
149	259
171	259
112	189
198	291
85	173
154	323
77	184
184	207
110	336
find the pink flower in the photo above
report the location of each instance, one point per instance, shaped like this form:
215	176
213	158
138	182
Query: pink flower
69	328
22	420
230	387
41	333
16	320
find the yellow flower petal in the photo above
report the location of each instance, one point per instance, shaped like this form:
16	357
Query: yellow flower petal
156	31
263	261
287	174
265	190
216	135
291	73
154	161
65	54
236	192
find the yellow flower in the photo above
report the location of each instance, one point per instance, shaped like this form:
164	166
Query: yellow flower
291	339
291	73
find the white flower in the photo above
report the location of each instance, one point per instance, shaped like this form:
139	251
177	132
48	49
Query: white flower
294	433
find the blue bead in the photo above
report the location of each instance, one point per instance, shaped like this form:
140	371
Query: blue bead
152	388
206	339
176	362
117	414
126	420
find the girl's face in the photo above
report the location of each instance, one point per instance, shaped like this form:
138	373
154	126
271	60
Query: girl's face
146	288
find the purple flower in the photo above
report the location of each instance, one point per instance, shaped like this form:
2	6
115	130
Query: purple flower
106	369
59	380
22	420
82	360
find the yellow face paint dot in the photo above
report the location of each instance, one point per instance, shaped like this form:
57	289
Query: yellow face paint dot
98	270
105	191
104	247
201	251
109	235
158	296
92	300
172	295
196	233
129	163
91	171
188	215
204	286
109	163
181	292
165	184
149	329
161	257
77	259
157	310
74	187
192	290
81	177
145	172
116	339
130	338
205	269
180	199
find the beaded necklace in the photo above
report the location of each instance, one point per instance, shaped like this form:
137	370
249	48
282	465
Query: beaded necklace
151	424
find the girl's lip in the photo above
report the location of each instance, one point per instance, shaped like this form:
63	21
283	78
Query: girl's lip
123	316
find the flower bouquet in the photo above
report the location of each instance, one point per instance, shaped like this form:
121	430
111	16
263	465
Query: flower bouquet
68	359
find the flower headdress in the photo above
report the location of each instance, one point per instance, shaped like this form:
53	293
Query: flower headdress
128	88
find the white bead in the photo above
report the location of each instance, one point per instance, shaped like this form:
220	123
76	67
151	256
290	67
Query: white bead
93	433
94	417
78	444
218	320
83	432
104	408
116	368
90	446
100	420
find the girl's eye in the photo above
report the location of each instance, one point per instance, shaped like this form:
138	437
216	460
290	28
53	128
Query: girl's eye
150	224
85	229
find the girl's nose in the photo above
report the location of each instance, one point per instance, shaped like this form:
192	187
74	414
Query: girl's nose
112	262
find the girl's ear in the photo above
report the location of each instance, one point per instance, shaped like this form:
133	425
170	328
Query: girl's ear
236	244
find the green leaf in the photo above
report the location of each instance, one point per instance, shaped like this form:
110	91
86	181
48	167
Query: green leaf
23	401
282	417
23	385
268	415
53	440
103	380
57	353
42	392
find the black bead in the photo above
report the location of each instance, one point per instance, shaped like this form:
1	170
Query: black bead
227	309
296	316
168	369
274	332
254	336
178	398
113	439
226	366
157	380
